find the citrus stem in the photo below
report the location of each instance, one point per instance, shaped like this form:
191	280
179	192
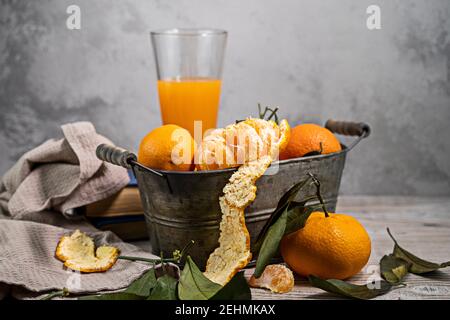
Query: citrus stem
273	114
186	248
390	235
162	259
319	194
60	293
145	259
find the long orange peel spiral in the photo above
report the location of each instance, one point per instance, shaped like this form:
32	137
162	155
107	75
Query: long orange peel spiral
233	252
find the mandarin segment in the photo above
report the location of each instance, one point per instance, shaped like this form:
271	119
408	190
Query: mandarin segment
275	277
244	140
214	153
285	135
239	143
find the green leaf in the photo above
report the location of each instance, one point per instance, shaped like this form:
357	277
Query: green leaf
194	285
236	289
293	218
112	296
139	289
417	265
165	289
349	290
393	269
269	247
298	213
143	285
283	203
290	195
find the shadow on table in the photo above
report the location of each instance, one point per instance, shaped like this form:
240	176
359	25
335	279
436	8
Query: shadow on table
437	275
324	296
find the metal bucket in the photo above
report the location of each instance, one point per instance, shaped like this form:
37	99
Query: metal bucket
184	206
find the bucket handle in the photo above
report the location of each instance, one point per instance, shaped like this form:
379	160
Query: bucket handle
121	157
347	128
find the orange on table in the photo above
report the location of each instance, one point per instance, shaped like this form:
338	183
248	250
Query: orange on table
168	147
333	247
186	100
307	138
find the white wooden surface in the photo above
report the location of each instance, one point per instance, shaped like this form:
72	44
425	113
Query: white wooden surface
420	225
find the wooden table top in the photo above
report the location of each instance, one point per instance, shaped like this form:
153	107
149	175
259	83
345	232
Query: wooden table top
420	225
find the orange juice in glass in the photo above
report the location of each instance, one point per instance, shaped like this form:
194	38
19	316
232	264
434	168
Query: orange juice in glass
189	67
186	100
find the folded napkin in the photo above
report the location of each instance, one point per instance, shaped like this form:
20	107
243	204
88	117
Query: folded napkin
60	175
51	179
28	260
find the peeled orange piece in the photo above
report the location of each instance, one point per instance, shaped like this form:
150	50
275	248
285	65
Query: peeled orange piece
275	277
274	137
77	251
239	143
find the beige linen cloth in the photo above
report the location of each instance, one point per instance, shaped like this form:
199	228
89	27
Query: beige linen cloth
52	179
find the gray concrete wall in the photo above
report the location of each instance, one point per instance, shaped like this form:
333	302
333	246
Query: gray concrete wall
315	59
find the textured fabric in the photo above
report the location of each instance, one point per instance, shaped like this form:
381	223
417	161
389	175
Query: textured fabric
60	175
51	179
28	260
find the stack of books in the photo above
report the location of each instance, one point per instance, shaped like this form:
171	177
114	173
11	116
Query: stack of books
121	213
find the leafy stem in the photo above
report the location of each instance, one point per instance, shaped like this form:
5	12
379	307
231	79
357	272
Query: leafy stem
319	194
177	256
184	251
390	235
273	114
152	261
60	293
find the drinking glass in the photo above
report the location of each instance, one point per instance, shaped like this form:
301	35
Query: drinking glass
189	68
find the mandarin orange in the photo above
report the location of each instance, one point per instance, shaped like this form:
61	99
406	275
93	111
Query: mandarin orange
168	147
330	247
310	138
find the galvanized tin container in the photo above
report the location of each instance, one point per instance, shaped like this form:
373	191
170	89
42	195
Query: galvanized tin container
184	206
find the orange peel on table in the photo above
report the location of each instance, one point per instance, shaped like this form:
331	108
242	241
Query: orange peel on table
233	252
78	252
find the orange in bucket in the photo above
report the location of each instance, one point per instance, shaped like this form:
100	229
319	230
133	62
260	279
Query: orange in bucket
308	139
168	147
